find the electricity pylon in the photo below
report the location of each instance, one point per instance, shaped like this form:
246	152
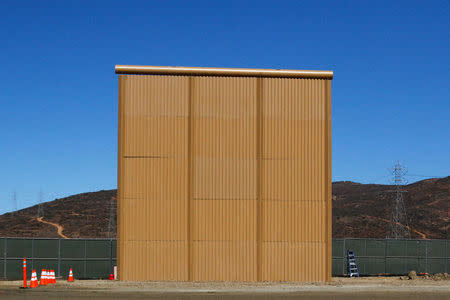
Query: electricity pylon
14	202
399	227
40	211
112	218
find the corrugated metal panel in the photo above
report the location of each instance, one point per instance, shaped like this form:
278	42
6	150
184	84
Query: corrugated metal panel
224	178
294	215
153	183
224	190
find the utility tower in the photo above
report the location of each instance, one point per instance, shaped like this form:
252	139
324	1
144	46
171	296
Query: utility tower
112	218
14	202
399	227
40	211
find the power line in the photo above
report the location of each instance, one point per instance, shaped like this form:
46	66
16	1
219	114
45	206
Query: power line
424	176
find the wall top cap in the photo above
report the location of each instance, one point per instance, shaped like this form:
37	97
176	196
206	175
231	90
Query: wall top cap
232	72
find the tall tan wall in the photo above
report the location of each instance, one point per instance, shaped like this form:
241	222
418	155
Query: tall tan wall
224	178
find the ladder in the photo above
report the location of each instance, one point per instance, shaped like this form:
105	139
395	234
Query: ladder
352	267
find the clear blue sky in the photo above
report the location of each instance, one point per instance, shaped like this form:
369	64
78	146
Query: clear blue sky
58	95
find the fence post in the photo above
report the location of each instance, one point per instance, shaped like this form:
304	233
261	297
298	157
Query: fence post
406	256
446	261
343	257
385	256
365	254
85	258
110	256
418	256
59	257
426	256
32	254
5	244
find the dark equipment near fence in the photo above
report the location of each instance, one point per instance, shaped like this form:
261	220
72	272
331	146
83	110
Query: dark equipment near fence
96	258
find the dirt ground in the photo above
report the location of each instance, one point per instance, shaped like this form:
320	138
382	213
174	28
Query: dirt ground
339	289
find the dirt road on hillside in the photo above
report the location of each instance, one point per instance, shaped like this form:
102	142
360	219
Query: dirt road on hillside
58	227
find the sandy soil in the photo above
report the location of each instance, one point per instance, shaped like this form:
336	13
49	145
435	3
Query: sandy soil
339	288
59	228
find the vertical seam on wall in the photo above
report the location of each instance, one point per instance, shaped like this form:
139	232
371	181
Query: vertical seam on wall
325	86
327	176
120	137
259	137
190	176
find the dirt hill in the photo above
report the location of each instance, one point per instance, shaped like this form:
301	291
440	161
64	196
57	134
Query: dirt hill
359	210
363	210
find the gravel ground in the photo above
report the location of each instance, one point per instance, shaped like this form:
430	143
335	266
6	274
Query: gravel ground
339	288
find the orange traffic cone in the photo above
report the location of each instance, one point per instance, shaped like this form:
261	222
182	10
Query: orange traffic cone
43	280
34	281
53	276
46	276
70	279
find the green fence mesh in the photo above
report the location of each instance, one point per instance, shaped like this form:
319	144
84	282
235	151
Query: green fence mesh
88	258
95	258
392	257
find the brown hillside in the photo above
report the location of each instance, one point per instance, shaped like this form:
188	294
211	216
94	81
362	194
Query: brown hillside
359	210
82	215
363	210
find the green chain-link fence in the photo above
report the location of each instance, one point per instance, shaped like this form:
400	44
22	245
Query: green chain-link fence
95	258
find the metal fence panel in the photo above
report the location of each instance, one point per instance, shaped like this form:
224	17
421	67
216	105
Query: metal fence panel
338	248
436	265
47	248
338	266
436	248
39	264
98	268
14	269
19	248
395	266
2	249
422	248
114	248
2	268
395	248
422	265
356	245
411	263
370	265
98	249
95	258
3	258
72	248
376	248
77	268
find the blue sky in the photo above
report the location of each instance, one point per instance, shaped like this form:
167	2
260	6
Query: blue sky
58	117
